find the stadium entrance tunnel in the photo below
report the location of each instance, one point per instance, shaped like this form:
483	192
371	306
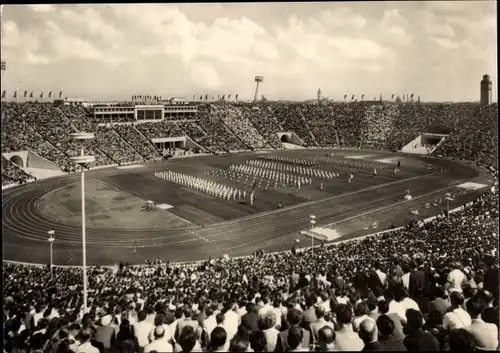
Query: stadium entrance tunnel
285	138
17	160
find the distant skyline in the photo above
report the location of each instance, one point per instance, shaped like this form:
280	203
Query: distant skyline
438	50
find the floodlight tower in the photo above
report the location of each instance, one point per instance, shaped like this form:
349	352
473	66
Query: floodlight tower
3	67
82	160
258	80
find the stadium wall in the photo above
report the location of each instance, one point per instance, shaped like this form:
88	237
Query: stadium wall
35	161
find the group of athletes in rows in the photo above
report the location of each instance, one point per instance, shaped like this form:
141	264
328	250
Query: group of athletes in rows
255	173
207	186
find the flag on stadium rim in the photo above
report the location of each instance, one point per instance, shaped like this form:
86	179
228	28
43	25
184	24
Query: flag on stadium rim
362	96
236	97
31	94
60	94
41	95
25	94
50	94
392	97
4	93
15	94
353	96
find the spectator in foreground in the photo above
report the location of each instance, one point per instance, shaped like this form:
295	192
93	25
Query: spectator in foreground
159	344
398	327
188	341
326	340
369	334
346	338
295	339
258	341
485	334
86	346
387	337
319	324
418	339
238	344
456	317
218	340
461	340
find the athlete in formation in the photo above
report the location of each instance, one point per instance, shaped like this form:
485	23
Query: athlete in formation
207	186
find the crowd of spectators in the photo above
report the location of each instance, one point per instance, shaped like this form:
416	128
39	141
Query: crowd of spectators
138	141
264	121
240	125
211	124
115	147
12	174
377	126
474	137
430	287
45	129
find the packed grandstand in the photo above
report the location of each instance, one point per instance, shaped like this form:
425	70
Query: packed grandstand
430	287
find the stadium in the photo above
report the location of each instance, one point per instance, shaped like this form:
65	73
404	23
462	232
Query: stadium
156	224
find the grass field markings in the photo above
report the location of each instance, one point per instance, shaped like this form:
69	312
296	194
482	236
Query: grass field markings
378	209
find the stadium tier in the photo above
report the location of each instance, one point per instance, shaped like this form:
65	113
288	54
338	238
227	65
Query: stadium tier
126	134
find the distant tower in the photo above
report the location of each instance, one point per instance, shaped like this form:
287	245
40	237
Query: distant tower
258	80
319	94
486	90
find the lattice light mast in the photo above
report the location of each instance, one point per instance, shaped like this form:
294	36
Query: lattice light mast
82	160
3	67
258	80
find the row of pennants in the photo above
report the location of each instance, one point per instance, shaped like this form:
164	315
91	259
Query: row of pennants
4	94
158	98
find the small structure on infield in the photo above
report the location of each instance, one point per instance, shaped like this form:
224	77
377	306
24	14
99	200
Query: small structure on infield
150	205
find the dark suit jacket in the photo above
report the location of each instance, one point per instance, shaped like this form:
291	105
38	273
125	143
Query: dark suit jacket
417	284
374	346
421	341
251	321
490	282
374	283
105	335
392	344
282	343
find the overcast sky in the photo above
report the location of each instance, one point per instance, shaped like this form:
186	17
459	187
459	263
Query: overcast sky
439	50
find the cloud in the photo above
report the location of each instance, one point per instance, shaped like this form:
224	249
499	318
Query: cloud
436	26
92	22
445	43
343	18
45	8
340	47
393	26
204	74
